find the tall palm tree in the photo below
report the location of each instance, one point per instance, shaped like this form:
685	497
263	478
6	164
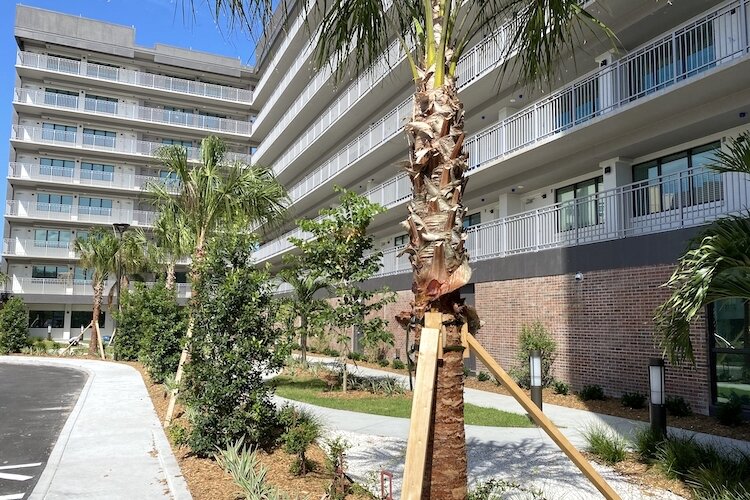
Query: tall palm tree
100	252
717	267
173	241
304	286
213	195
434	35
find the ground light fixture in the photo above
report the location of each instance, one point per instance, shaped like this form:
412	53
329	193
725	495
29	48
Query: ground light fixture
657	408
535	369
49	332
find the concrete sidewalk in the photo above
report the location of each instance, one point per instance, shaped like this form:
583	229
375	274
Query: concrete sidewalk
112	445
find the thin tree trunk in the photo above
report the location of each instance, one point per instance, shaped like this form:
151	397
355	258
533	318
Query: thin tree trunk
303	338
98	292
170	276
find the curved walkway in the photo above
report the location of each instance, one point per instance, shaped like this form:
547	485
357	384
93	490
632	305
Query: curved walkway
112	445
520	455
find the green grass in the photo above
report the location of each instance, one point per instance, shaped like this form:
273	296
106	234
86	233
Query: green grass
312	391
606	445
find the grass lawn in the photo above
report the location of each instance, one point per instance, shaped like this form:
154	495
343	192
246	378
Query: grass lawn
314	391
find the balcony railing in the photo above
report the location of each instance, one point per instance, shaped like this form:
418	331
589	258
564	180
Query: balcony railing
686	199
104	144
131	77
69	286
75	213
45	173
34	248
130	111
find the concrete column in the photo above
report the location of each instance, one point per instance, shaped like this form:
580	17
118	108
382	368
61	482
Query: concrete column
616	206
509	204
66	323
506	112
607	82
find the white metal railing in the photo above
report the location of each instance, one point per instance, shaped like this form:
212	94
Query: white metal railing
685	199
132	77
64	175
74	213
183	290
130	111
34	248
55	286
123	145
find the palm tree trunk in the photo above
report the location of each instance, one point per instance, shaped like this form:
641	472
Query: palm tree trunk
98	293
303	337
436	250
170	276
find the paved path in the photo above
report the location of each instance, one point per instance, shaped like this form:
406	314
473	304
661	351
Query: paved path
112	445
34	404
523	455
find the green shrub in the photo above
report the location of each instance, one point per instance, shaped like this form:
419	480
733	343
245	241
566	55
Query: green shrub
331	352
500	488
647	443
14	326
383	362
376	385
247	472
467	372
608	446
634	400
677	456
178	434
483	376
302	429
591	393
677	406
398	364
560	387
534	337
235	341
730	412
355	356
336	467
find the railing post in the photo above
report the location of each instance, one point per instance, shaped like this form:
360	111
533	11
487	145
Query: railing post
743	25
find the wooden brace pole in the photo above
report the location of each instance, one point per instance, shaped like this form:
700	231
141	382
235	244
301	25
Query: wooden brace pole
99	340
541	420
421	409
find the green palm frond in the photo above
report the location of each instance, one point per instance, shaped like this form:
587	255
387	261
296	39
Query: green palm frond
736	158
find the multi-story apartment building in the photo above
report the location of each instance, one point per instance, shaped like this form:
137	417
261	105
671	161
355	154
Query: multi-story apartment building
582	194
90	110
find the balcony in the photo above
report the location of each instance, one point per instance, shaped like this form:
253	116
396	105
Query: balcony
686	199
35	173
669	60
130	112
75	214
130	77
119	145
41	249
73	287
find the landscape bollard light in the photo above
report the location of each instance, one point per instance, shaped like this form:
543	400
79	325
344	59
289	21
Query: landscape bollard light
535	368
49	332
657	409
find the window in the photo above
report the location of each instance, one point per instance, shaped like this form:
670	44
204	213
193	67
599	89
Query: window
63	64
97	171
54	202
211	120
101	138
729	341
80	319
101	104
400	241
57	132
472	220
178	142
579	204
52	238
577	105
83	275
180	116
102	70
677	181
94	206
49	271
43	319
64	98
56	167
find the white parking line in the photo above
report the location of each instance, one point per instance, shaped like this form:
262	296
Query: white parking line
14	477
19	466
15	496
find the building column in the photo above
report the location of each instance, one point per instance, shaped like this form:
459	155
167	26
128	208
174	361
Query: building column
607	95
66	321
616	172
508	204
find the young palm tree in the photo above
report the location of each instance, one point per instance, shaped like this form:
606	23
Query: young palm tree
100	252
214	195
173	241
718	267
434	35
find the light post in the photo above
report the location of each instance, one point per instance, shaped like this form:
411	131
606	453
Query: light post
657	409
535	369
120	228
49	332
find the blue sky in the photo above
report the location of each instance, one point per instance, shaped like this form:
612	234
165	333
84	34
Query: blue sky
155	21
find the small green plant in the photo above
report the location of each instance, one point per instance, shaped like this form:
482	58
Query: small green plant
678	407
591	393
604	444
634	400
483	376
355	356
398	364
336	467
500	488
534	337
560	387
383	362
302	429
14	326
730	412
178	434
248	473
331	352
647	443
467	372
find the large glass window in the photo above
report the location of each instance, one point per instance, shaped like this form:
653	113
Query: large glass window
400	241
97	171
677	181
178	142
43	319
63	98
103	70
729	328
94	206
472	220
56	167
63	64
83	275
181	116
49	271
579	205
57	132
101	138
80	319
54	202
52	238
101	104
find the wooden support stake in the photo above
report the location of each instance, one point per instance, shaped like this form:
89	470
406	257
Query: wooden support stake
542	420
464	333
421	414
99	340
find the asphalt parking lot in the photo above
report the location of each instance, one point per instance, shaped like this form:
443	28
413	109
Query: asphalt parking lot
35	402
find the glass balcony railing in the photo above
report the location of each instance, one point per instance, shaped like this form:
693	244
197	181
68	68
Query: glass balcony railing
54	64
130	111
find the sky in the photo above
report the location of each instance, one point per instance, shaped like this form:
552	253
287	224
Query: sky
169	22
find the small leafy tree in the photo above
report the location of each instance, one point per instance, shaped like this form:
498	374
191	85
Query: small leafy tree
235	341
535	337
14	326
342	253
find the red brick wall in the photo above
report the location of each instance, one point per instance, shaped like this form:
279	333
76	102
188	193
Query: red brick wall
603	328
